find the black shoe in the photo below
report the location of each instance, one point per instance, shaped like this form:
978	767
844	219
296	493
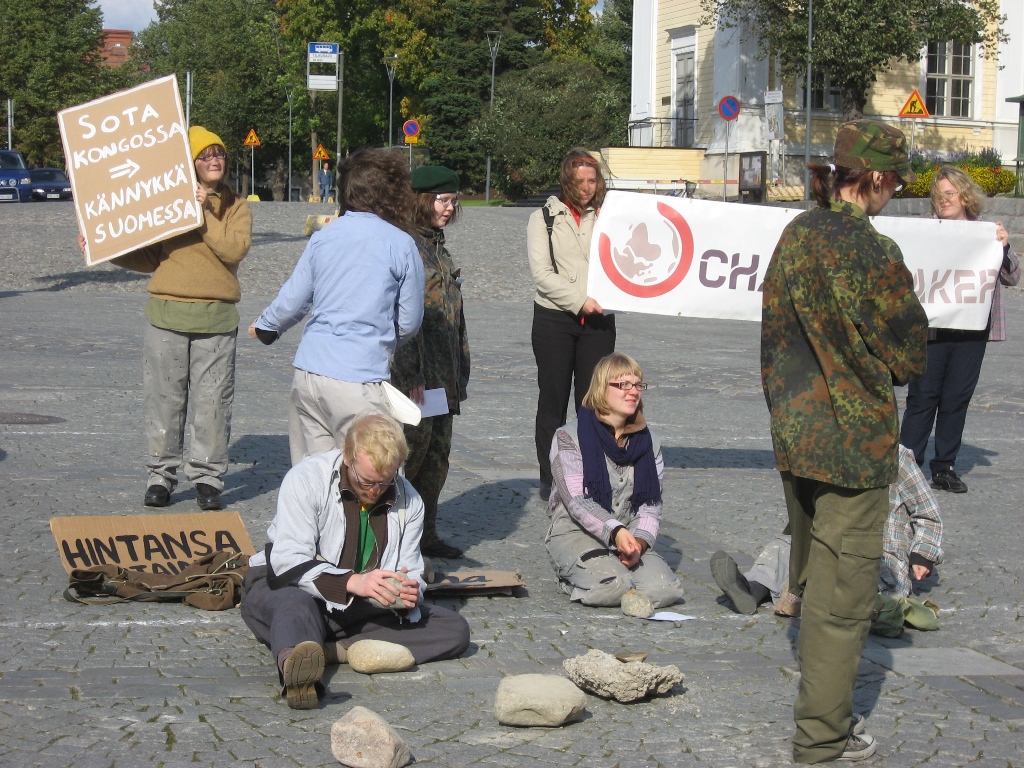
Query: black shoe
157	496
440	548
545	491
729	579
208	497
947	480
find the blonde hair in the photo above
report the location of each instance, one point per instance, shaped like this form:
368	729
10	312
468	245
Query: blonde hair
380	437
610	367
972	197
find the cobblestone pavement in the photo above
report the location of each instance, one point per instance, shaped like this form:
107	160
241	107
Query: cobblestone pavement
172	686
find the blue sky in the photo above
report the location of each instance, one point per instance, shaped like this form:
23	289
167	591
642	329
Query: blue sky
127	14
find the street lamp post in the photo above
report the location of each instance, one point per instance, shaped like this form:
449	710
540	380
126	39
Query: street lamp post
493	38
807	95
390	62
288	185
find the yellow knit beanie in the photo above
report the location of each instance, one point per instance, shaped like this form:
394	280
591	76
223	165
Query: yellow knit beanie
199	139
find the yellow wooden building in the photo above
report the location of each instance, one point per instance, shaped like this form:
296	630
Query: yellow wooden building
682	69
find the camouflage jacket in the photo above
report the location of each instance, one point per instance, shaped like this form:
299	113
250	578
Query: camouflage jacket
840	325
438	355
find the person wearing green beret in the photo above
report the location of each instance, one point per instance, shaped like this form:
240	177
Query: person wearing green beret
188	358
438	356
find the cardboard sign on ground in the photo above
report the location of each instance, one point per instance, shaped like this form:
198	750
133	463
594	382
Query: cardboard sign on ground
131	169
150	543
475	582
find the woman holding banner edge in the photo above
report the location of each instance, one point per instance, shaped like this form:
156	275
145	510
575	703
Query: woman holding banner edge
189	340
942	396
570	332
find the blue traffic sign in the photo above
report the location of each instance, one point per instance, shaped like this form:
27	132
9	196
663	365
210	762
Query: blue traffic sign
729	107
411	128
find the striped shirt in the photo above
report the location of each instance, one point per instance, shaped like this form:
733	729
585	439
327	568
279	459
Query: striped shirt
913	529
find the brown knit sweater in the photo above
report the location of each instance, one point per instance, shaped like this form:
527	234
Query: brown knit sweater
200	265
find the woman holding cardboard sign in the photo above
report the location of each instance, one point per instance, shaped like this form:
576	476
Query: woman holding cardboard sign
189	342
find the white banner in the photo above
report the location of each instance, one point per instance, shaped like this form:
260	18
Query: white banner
697	258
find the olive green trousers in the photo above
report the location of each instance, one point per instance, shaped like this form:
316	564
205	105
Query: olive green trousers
834	563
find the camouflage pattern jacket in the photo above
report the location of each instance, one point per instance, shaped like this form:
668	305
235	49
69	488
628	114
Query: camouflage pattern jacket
438	356
840	325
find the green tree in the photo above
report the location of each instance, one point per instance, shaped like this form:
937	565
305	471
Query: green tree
541	113
51	61
855	40
233	49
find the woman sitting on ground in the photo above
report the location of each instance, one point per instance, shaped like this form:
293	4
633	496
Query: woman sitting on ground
605	503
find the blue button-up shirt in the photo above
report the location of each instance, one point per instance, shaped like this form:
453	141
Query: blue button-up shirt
361	280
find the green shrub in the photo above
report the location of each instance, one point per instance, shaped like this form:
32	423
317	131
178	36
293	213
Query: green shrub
993	179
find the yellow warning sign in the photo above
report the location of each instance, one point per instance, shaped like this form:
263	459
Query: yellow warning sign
251	139
412	139
914	107
321	153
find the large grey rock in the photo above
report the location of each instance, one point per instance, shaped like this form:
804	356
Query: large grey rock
532	700
372	656
363	739
602	674
635	604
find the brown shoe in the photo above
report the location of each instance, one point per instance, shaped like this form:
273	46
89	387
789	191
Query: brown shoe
789	604
302	671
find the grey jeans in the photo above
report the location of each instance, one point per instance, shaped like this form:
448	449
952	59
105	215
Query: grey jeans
178	370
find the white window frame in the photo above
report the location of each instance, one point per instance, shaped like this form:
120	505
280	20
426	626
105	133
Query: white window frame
684	40
974	57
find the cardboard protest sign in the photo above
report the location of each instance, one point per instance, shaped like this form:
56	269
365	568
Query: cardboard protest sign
475	582
699	258
131	169
150	543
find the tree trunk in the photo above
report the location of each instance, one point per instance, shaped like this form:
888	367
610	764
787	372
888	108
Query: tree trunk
854	101
276	179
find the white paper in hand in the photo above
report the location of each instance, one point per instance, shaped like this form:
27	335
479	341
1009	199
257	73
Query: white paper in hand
435	403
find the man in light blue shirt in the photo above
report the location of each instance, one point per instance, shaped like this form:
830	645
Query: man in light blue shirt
361	281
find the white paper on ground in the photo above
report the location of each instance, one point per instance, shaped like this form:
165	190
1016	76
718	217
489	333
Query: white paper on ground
669	616
435	403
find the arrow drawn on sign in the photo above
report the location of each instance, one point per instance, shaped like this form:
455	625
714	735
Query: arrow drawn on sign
129	169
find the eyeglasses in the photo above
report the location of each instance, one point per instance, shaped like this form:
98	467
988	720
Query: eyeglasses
447	202
210	156
951	194
897	189
371	485
625	386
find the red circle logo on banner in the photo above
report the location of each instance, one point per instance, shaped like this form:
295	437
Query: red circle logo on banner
653	259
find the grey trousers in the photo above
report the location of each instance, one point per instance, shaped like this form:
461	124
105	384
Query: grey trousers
283	618
592	574
772	566
179	369
322	409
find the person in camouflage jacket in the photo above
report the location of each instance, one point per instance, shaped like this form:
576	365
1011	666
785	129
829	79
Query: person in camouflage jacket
438	356
840	325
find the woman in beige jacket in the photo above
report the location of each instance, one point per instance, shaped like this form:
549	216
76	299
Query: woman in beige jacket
571	332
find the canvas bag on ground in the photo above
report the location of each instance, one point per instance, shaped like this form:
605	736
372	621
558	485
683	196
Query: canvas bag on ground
213	583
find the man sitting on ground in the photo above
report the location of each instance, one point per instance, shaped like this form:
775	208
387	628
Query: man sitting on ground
912	546
347	531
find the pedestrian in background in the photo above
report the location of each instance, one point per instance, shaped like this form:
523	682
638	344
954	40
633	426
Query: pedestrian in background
326	180
840	325
571	332
189	343
438	356
361	281
942	396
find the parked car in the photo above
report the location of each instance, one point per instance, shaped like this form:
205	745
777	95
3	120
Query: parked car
14	176
48	184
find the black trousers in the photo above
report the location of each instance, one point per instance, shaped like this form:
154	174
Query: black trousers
566	351
942	395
